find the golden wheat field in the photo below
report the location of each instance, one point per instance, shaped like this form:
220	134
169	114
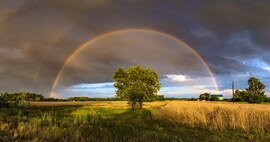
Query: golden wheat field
216	115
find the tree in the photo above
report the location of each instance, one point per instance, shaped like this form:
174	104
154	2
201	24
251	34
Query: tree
3	103
253	94
205	96
137	84
255	90
22	97
241	95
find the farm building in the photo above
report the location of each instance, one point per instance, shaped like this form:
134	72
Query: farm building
219	96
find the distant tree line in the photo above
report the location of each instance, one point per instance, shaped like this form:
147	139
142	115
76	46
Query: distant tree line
17	97
208	97
157	98
253	94
180	99
21	96
92	99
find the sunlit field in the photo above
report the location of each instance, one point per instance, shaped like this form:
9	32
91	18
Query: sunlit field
217	116
115	121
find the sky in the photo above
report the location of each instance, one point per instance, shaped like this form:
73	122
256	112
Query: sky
39	42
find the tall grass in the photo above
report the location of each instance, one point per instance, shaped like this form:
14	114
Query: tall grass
217	116
82	124
114	121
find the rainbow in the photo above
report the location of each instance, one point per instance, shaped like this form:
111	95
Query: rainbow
125	31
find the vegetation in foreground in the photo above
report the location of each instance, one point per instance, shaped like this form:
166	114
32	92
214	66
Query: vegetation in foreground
115	121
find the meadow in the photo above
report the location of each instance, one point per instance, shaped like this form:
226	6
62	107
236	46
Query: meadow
115	121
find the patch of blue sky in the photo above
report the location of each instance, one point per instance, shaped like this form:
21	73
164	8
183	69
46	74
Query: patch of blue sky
256	63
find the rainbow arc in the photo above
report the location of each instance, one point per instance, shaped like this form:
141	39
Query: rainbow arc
97	38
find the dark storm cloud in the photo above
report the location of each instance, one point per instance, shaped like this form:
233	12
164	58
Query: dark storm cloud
245	20
235	16
36	37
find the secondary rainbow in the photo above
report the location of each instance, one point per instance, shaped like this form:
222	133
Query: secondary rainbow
124	31
52	45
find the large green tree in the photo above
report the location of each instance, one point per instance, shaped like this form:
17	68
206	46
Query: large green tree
137	84
253	94
255	90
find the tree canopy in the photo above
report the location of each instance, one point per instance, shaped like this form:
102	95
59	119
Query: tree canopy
21	96
253	94
137	84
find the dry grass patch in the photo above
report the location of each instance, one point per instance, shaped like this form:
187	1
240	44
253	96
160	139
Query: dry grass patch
215	115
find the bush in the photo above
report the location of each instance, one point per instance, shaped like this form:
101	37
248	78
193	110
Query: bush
254	98
78	99
19	104
205	96
3	103
267	99
214	98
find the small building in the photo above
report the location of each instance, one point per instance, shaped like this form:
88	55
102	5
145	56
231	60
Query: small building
219	96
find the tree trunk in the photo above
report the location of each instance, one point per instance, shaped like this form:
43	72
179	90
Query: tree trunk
133	105
141	105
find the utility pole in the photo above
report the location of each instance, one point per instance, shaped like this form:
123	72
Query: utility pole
233	90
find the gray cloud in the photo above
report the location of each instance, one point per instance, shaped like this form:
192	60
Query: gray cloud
38	36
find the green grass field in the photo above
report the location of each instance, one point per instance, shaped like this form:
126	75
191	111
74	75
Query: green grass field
107	121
